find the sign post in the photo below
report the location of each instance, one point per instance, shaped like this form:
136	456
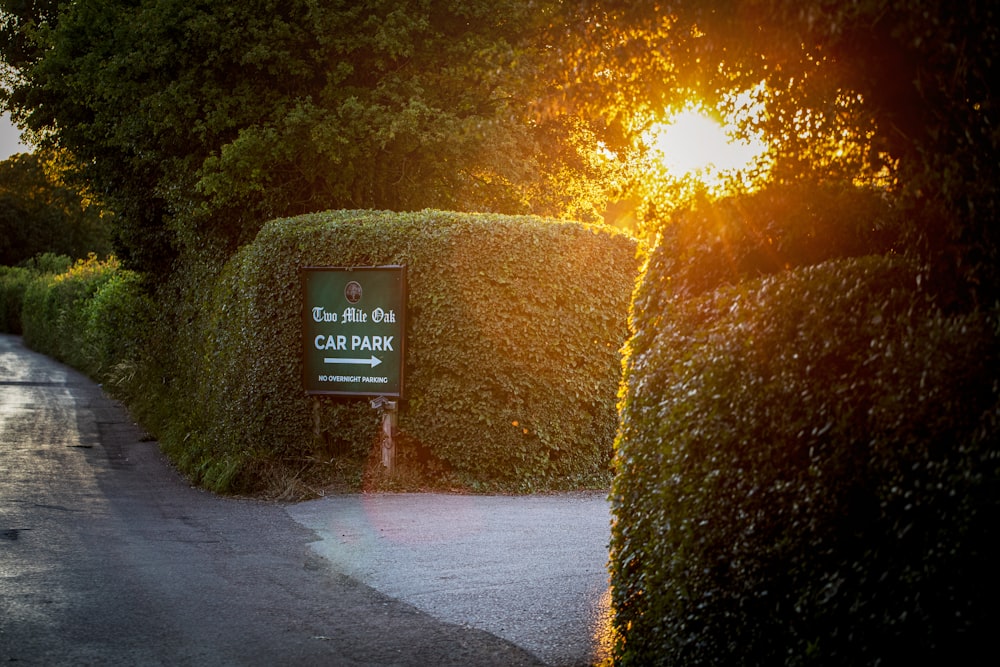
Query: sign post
354	323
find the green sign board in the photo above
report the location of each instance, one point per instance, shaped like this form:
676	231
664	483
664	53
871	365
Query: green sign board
352	331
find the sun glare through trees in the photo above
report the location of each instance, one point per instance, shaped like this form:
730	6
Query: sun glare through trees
693	147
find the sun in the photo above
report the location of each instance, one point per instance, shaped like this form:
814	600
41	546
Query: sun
692	145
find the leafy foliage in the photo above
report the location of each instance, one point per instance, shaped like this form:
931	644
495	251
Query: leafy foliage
201	121
49	262
13	284
41	213
807	472
116	319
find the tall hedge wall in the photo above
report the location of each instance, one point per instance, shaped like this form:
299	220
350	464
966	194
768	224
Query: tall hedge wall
514	332
92	316
809	473
14	281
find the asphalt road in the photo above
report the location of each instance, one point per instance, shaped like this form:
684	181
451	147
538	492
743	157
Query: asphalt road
107	557
531	570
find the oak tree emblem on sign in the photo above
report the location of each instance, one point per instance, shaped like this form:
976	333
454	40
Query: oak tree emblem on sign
353	291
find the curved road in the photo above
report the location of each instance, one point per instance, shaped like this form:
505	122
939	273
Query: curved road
108	557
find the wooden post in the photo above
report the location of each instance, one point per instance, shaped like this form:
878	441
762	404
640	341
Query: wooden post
386	438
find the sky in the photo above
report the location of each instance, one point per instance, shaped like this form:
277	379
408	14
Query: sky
10	139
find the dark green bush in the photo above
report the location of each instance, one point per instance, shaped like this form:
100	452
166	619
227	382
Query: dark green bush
13	284
115	333
772	230
48	262
809	473
514	330
41	316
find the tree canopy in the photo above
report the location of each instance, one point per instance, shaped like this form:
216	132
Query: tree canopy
42	212
894	93
198	121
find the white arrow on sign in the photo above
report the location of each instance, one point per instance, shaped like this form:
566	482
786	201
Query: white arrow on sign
373	362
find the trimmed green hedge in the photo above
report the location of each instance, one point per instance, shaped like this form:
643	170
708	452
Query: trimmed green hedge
92	317
809	473
514	331
54	316
14	283
116	320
